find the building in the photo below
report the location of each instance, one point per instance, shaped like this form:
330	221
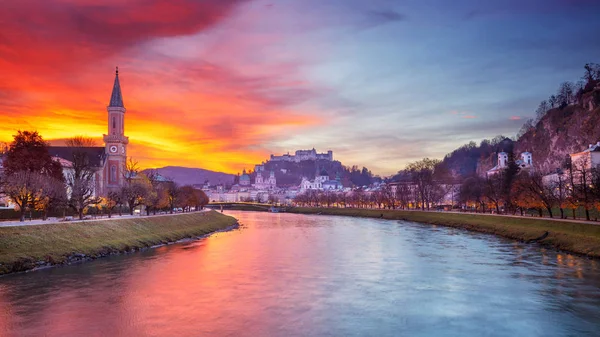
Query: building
525	162
244	179
265	184
321	183
586	159
302	155
108	160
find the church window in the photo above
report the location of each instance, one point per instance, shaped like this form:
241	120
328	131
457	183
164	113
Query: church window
114	122
113	173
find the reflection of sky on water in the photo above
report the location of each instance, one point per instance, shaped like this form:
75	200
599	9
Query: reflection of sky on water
294	275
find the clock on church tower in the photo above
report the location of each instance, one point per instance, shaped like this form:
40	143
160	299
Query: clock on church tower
116	141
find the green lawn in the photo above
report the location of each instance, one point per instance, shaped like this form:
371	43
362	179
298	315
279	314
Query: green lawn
578	238
21	247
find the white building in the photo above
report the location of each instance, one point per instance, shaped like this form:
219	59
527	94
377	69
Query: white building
586	159
526	162
265	184
321	183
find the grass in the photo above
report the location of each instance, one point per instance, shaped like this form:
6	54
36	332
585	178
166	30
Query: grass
21	247
579	238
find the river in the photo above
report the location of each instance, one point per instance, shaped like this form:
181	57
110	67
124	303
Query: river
298	275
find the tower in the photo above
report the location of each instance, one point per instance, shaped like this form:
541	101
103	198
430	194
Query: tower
115	141
272	180
502	159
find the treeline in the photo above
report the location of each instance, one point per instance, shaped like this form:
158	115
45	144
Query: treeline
427	184
567	93
422	185
514	190
33	180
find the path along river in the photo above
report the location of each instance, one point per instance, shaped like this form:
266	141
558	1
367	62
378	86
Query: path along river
297	275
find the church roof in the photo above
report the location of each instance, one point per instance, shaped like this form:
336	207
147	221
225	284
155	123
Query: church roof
96	154
116	98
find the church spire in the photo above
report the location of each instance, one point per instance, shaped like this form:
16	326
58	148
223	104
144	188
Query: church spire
116	98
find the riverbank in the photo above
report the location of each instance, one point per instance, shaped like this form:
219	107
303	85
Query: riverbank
28	247
578	238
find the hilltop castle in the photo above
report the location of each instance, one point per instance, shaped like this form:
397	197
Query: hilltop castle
302	155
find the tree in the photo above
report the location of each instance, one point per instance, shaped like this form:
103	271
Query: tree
170	194
553	101
404	195
592	72
23	187
29	152
533	186
134	192
152	200
426	175
30	172
201	199
581	176
81	175
137	186
389	196
472	192
566	94
524	197
559	187
527	126
188	198
493	190
111	200
541	111
51	195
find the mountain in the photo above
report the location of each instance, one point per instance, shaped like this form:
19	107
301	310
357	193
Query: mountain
192	176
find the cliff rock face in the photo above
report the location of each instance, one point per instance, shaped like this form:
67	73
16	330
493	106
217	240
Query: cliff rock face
559	133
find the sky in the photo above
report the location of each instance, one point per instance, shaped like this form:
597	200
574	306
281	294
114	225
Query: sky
222	84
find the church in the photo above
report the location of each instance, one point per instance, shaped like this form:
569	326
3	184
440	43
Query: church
110	159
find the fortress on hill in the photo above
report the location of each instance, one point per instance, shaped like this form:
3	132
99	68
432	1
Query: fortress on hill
302	155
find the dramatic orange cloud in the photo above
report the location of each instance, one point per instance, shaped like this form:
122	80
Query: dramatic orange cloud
192	110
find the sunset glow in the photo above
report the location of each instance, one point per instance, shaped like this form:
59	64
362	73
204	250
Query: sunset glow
222	84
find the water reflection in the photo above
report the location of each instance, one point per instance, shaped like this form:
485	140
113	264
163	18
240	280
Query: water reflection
294	275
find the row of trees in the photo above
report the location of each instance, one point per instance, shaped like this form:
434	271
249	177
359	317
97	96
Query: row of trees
425	184
514	190
33	180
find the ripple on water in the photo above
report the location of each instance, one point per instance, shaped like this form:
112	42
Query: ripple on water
297	275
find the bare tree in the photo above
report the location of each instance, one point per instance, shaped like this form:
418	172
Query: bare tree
581	175
80	175
52	195
23	188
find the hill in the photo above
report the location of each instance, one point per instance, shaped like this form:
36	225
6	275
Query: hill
192	176
566	123
559	133
290	174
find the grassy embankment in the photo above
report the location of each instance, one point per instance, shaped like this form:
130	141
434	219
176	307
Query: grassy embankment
579	238
27	247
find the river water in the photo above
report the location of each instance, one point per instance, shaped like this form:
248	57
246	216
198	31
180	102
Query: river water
297	275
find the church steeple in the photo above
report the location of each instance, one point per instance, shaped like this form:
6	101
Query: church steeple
116	98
